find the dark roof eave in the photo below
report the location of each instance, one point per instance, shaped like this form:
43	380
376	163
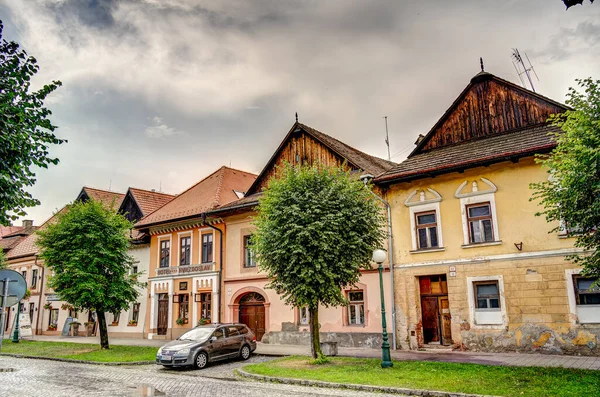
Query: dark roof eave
166	221
233	208
427	173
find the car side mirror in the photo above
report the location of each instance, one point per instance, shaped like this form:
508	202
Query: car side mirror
213	339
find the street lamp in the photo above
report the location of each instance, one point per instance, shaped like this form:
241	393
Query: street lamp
386	361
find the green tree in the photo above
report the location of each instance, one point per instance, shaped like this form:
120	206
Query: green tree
86	249
25	130
316	228
571	196
2	260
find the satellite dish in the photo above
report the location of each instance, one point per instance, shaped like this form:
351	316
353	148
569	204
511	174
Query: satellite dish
16	287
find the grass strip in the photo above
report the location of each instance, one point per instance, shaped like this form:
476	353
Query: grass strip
81	351
450	377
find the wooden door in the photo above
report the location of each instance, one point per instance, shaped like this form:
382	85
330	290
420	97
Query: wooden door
163	315
446	320
429	308
254	317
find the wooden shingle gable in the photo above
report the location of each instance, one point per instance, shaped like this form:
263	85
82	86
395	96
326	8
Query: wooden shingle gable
488	106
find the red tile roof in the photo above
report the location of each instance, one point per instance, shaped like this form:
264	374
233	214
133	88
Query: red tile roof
148	200
6	230
28	246
216	189
105	196
493	149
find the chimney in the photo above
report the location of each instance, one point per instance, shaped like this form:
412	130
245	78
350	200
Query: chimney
419	139
27	224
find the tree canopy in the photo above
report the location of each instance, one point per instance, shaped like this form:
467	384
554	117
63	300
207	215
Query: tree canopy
26	130
571	196
86	249
316	228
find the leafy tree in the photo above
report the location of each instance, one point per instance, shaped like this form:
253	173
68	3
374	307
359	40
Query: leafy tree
2	260
316	227
86	249
572	195
26	131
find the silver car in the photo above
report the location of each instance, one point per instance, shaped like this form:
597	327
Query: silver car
208	343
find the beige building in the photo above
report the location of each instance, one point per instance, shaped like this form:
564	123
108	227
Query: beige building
475	268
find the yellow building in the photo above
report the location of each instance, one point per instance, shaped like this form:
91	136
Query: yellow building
474	267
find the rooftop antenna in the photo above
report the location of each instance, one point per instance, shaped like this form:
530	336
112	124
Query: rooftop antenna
160	185
296	117
109	184
387	139
523	69
481	63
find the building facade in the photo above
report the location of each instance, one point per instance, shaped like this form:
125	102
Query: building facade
475	267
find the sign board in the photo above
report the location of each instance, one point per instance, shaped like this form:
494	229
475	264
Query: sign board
67	326
16	287
24	326
52	298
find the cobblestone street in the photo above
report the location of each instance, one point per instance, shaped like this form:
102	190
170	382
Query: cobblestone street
50	378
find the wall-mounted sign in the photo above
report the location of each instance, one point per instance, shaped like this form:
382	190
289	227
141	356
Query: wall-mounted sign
452	268
52	298
183	285
452	274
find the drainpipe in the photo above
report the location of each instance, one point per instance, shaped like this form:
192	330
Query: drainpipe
220	263
366	178
37	325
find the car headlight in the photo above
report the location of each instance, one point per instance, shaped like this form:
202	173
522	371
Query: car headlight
159	351
183	352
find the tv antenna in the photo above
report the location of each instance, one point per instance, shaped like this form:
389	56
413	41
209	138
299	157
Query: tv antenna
523	69
387	139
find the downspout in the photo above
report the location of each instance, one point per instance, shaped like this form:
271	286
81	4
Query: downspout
37	322
220	264
366	178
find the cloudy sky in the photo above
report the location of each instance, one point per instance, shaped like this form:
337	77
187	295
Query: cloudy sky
159	93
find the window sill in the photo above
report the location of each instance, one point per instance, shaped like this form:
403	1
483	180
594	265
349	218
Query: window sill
113	324
424	251
564	236
481	244
356	325
132	325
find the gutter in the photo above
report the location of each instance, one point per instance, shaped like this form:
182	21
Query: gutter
37	321
220	263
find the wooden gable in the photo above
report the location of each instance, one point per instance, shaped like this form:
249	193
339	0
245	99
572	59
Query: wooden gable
130	208
488	106
299	147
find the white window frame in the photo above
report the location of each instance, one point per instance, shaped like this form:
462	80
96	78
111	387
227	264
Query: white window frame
303	320
580	314
479	199
415	209
180	235
355	305
160	239
485	318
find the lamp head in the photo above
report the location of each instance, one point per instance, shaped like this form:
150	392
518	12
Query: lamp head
379	256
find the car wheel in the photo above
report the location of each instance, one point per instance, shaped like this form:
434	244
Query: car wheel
201	360
245	352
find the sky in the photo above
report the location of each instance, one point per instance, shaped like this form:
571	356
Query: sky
157	94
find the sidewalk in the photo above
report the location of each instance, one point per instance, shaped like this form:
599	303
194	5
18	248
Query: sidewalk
509	359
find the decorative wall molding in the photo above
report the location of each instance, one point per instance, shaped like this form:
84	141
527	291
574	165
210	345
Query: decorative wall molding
475	189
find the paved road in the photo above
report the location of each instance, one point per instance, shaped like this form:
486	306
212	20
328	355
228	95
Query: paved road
45	378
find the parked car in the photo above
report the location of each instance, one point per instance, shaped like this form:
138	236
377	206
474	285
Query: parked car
208	343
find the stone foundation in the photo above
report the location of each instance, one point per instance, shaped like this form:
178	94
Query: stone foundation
529	338
343	339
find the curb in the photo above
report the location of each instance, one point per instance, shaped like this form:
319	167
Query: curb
350	386
70	360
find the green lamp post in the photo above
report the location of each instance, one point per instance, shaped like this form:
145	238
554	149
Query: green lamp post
379	257
15	337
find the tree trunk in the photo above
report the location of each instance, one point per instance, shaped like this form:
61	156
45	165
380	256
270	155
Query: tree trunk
315	339
103	330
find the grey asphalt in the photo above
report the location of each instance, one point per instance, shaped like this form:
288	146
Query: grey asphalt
509	359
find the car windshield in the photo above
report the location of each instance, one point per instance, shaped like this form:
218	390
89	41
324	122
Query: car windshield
197	334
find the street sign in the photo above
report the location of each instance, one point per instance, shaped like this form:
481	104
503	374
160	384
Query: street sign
12	290
16	287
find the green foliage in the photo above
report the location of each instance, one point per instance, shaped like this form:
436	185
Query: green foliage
86	249
322	359
26	131
3	263
572	195
316	227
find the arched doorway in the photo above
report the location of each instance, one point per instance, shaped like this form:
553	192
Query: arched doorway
252	313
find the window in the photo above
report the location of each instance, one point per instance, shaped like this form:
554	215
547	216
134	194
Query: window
205	305
487	296
304	315
207	248
134	270
426	223
53	321
249	260
479	219
242	329
232	331
24	274
165	253
184	307
31	309
34	277
135	313
219	333
185	256
585	292
356	308
116	317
